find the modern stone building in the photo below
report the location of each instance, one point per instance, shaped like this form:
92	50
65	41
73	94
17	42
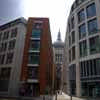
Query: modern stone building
12	37
58	48
26	58
82	49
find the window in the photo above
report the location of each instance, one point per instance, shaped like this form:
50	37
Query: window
91	10
37	25
94	45
6	35
9	58
72	22
82	31
35	45
36	33
69	41
73	36
92	26
4	79
83	48
73	53
2	58
34	58
12	44
5	73
3	47
81	16
0	36
14	33
69	55
33	73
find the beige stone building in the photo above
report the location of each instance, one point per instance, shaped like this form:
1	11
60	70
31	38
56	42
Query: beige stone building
12	37
82	49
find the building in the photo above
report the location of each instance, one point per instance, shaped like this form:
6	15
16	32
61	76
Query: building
32	71
12	36
82	48
58	48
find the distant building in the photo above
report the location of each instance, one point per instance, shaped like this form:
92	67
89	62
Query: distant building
26	58
58	48
82	49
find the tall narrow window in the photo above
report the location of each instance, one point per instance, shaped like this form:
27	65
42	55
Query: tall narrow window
82	31
91	10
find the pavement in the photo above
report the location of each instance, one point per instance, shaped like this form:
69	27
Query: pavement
64	96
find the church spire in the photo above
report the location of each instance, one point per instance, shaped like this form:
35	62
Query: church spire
59	36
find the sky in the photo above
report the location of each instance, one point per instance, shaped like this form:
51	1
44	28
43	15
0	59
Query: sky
56	10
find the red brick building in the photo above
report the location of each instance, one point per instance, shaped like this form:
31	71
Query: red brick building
37	73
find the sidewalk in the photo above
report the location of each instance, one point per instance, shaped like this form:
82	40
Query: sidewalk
67	97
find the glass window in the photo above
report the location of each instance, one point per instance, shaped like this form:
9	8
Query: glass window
91	10
5	73
94	45
92	26
83	48
14	32
69	55
6	35
72	22
2	58
34	58
73	53
73	36
12	44
82	31
33	73
9	58
0	36
81	16
69	41
36	33
35	45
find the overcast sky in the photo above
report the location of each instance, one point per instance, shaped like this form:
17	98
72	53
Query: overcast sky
56	10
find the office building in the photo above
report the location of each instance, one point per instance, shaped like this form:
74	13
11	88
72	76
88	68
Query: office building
82	49
12	36
27	58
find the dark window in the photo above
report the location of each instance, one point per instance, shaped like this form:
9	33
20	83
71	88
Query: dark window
92	26
69	41
2	58
6	35
81	16
34	58
35	45
82	31
94	45
33	73
73	53
73	36
91	10
0	36
12	44
72	22
83	48
69	55
14	32
5	73
9	58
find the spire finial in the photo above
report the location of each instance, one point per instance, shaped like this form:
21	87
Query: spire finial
59	36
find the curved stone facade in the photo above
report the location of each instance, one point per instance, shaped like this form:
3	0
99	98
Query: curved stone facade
82	48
